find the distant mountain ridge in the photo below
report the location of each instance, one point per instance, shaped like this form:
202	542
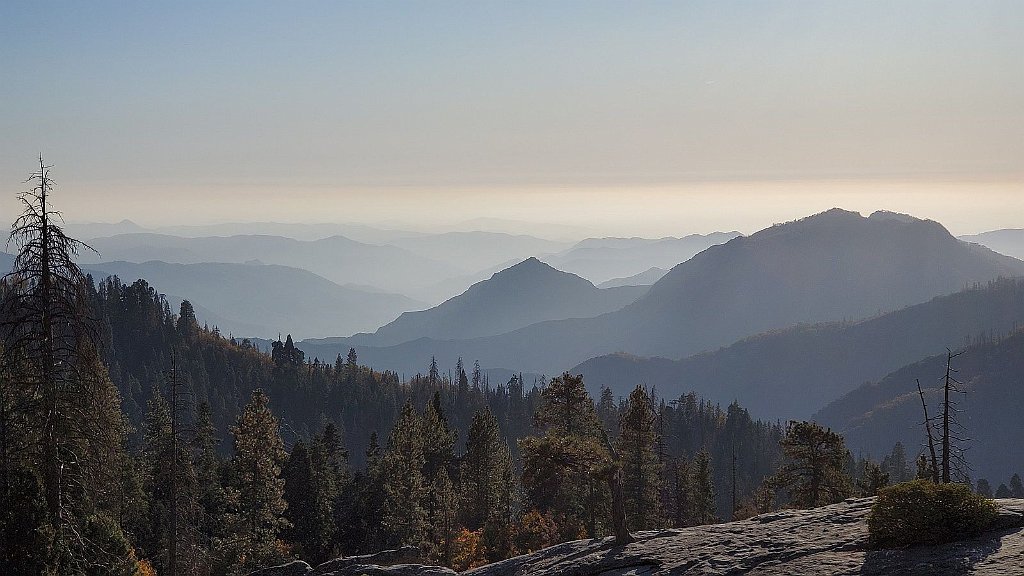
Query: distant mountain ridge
523	294
263	300
603	259
1009	242
793	372
829	266
876	415
646	278
336	258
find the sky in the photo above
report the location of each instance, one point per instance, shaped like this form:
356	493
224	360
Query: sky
625	118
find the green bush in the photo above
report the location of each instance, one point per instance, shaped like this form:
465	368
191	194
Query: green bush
920	512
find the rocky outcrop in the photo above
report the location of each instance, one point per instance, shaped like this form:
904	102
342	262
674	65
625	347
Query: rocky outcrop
827	541
832	540
400	562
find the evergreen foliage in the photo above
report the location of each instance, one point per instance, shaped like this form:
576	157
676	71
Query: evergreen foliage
641	471
922	512
814	473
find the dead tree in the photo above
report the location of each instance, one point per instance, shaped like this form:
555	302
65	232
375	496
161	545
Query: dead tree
931	439
45	326
950	421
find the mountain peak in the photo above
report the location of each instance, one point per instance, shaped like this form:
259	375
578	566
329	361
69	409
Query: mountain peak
530	266
893	216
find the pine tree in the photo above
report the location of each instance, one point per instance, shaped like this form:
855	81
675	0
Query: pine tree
372	500
984	488
814	472
608	412
499	529
404	518
567	408
257	494
49	346
874	479
438	439
209	490
1016	487
479	469
640	469
443	509
702	488
895	464
565	470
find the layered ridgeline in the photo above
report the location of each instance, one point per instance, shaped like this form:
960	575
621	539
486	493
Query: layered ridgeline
336	258
810	365
832	266
1008	241
875	415
264	300
138	329
524	294
645	278
603	259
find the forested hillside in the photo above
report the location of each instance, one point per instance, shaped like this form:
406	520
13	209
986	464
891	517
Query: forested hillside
827	267
811	365
244	458
520	295
988	406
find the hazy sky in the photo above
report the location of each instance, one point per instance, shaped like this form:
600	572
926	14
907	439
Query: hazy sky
629	117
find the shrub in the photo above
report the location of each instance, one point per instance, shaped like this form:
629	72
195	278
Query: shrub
921	512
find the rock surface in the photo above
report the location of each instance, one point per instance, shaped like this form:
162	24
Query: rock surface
827	541
831	540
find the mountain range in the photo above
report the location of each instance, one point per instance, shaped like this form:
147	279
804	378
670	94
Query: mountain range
1009	241
831	266
793	372
876	415
603	259
523	294
263	300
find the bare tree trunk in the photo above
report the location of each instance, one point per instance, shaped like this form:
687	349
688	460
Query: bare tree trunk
622	535
945	422
931	439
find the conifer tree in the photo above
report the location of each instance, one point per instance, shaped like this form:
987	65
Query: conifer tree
403	517
565	469
257	494
874	479
479	469
1016	487
372	499
499	529
438	439
815	467
984	488
443	508
49	344
640	468
702	489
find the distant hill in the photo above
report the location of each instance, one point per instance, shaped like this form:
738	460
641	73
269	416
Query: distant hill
830	266
645	278
1009	242
876	415
602	259
477	250
264	300
518	296
83	230
792	373
336	258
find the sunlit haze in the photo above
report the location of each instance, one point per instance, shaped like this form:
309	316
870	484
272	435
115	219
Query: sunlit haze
603	117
